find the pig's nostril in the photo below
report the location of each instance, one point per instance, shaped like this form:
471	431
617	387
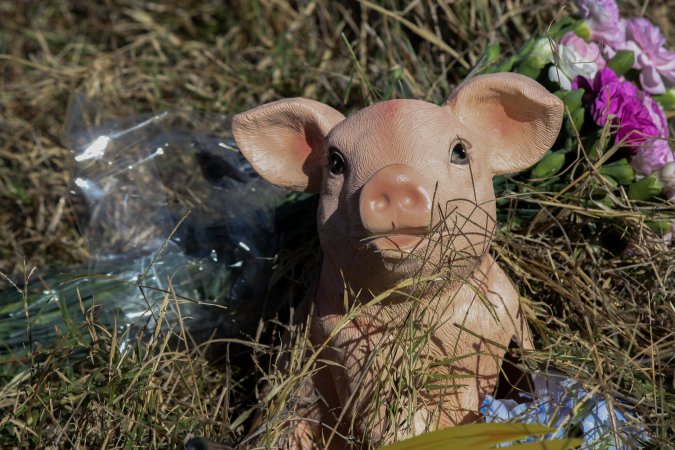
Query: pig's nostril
406	201
412	199
381	203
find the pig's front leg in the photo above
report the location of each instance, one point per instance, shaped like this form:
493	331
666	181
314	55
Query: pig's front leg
313	413
312	424
304	427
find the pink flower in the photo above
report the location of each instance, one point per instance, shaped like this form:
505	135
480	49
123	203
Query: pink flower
589	51
657	115
603	21
652	156
644	39
656	64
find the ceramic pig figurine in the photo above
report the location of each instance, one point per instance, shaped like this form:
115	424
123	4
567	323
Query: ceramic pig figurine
406	202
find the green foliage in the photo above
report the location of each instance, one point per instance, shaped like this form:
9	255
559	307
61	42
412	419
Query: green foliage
660	226
667	100
622	62
572	99
582	31
530	67
620	171
549	165
562	26
645	188
575	121
492	53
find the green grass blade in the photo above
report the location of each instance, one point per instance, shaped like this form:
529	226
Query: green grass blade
483	436
556	444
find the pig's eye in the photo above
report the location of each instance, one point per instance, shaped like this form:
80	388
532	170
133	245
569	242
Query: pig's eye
336	162
458	154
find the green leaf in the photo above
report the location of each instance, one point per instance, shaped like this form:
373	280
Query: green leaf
661	226
395	78
492	53
622	62
445	387
576	119
558	444
526	48
583	31
507	65
483	436
667	100
529	67
562	27
550	165
620	171
645	189
572	99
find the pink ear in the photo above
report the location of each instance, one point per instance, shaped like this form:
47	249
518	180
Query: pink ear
520	118
285	141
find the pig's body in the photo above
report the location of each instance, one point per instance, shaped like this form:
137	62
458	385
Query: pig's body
365	343
407	202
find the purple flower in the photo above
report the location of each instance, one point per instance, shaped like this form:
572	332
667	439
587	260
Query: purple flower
603	21
635	123
644	39
656	64
611	96
639	120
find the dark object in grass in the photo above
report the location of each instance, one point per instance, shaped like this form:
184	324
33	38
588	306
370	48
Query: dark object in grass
171	208
199	443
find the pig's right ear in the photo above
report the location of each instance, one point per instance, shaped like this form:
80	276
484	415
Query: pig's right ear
517	116
285	141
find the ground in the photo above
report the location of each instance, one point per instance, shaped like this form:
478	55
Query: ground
592	305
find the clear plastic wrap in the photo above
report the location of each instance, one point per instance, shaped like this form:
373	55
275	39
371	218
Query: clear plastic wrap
167	204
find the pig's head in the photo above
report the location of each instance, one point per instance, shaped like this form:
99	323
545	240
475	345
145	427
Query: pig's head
405	186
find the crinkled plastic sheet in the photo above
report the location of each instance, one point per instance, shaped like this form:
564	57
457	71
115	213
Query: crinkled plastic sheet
569	409
170	205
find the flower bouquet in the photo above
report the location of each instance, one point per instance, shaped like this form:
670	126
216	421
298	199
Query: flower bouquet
617	79
613	164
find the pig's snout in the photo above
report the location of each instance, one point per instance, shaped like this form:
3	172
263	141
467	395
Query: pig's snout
396	198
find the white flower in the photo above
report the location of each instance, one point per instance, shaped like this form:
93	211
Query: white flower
571	64
542	52
667	177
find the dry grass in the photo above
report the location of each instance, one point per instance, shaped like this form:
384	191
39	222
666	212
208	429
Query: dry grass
601	285
601	288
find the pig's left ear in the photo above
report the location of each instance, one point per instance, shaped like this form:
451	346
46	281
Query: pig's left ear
519	117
